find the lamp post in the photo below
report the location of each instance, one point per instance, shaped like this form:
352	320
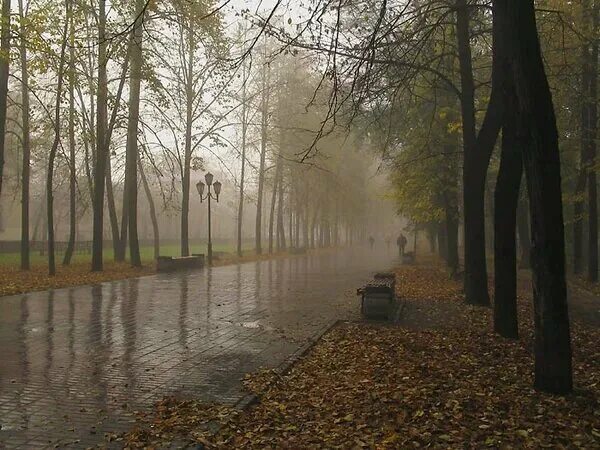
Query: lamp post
209	195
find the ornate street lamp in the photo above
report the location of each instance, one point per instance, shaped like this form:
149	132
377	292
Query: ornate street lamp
209	195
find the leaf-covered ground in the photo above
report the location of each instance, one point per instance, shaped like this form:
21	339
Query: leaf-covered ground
367	385
15	281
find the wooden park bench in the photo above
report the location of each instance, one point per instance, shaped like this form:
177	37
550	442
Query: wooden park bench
173	263
82	247
378	297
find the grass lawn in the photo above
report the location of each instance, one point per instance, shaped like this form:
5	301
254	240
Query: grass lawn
146	252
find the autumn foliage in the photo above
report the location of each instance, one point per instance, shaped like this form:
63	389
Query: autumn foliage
15	281
440	380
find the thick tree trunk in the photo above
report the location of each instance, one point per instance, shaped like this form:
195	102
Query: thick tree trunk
553	366
101	153
132	131
505	223
4	63
72	166
54	148
26	166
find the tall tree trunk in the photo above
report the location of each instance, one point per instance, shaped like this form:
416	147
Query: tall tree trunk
580	185
290	219
26	167
118	241
450	234
553	365
87	134
273	202
431	237
4	62
505	222
122	243
474	170
152	207
72	167
298	216
281	244
118	246
132	132
313	224
37	222
591	152
578	216
305	240
187	157
101	151
442	238
53	149
243	169
263	153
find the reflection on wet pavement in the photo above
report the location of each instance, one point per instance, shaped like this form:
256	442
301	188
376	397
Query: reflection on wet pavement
75	363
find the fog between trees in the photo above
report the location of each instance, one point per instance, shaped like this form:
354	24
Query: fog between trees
321	120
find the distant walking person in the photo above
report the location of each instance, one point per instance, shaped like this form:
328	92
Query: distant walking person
371	242
401	242
388	242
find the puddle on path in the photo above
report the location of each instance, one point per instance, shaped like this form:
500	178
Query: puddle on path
252	324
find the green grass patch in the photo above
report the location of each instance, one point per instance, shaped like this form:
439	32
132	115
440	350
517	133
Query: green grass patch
146	252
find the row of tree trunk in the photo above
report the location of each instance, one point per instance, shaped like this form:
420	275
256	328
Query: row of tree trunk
521	107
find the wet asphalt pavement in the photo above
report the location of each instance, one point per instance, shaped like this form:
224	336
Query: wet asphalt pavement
76	363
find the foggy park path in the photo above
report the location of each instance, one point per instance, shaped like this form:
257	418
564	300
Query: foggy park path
76	362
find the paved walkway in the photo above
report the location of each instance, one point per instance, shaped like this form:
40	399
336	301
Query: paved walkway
75	363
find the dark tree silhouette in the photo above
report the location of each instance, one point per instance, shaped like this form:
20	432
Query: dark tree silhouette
539	134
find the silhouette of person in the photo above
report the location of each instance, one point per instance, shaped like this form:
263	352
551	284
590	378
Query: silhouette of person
371	242
401	242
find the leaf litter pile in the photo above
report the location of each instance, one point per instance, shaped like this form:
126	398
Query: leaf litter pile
16	281
366	385
13	280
